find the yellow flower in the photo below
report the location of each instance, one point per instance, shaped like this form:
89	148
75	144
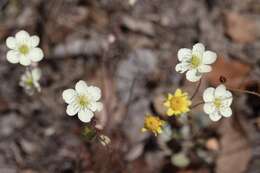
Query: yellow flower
153	124
178	103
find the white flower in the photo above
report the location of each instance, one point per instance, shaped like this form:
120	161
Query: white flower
82	101
195	61
30	81
24	49
217	102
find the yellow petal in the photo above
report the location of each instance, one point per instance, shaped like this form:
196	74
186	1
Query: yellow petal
143	129
178	92
159	130
169	96
169	112
167	104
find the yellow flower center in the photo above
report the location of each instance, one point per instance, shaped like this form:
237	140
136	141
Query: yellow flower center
83	101
178	103
29	81
153	124
195	61
24	49
217	102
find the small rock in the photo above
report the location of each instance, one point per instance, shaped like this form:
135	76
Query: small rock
138	25
28	147
10	123
212	144
135	152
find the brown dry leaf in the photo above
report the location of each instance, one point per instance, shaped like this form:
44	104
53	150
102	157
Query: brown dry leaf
232	70
239	28
236	151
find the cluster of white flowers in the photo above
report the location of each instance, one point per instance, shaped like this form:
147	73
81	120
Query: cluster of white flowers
24	50
196	62
84	99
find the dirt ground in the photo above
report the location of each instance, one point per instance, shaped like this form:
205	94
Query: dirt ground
129	51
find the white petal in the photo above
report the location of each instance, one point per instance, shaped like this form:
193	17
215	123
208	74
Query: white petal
34	41
96	106
12	56
85	116
182	67
204	68
22	36
36	54
228	98
81	87
11	43
209	57
72	109
226	111
209	108
220	91
36	73
24	60
215	116
184	54
69	95
193	76
94	93
198	49
208	95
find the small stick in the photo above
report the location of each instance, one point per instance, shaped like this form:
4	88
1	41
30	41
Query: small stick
197	104
245	91
196	90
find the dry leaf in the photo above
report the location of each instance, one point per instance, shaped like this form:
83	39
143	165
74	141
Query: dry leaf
232	70
236	151
239	28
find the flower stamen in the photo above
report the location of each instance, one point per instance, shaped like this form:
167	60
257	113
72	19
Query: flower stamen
24	49
217	102
195	61
83	101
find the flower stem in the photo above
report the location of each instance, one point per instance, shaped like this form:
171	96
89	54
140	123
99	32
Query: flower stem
196	90
245	91
197	104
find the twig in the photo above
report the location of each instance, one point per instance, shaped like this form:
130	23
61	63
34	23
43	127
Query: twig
196	90
197	104
245	91
131	91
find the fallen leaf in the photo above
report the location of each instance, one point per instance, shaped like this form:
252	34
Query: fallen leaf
239	28
232	70
236	151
